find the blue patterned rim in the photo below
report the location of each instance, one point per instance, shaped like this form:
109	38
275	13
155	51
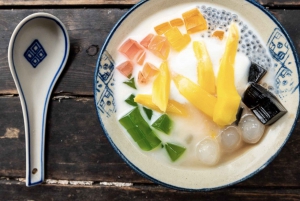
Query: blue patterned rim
260	7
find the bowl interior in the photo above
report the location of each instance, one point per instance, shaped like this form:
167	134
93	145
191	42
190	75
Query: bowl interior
247	162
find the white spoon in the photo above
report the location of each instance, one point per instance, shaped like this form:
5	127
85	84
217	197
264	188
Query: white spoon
37	53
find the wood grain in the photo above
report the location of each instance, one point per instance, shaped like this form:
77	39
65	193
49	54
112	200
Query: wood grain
77	149
138	192
267	3
66	2
88	29
279	3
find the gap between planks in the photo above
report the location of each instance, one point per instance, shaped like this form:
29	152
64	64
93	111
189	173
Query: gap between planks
119	3
55	96
66	2
71	183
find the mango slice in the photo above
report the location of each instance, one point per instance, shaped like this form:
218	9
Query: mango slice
177	40
146	41
194	21
131	49
228	98
177	22
206	76
195	94
161	87
218	34
160	47
125	68
172	108
162	28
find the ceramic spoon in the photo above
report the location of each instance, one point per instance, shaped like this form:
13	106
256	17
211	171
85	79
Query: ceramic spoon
37	53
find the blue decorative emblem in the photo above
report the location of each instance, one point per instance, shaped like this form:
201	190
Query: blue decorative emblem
105	83
278	46
283	59
35	53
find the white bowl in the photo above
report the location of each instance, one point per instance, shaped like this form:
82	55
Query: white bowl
242	166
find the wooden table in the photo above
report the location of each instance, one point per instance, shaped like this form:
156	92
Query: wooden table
80	162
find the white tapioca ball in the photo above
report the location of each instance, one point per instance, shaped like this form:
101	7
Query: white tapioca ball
208	151
230	138
251	129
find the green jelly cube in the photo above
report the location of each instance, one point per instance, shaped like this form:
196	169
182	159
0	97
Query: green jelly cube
126	122
135	134
163	123
148	112
139	130
144	145
174	151
130	83
130	100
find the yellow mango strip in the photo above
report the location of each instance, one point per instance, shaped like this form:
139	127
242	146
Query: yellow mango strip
194	21
197	96
177	40
162	28
228	97
161	87
218	34
177	22
173	106
206	76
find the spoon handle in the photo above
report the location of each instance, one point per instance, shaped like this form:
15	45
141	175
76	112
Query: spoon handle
34	120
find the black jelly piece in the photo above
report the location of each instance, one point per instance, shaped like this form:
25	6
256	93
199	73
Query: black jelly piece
256	72
253	95
239	115
269	111
265	106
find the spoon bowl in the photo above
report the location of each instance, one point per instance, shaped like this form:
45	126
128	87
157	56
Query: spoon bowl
37	53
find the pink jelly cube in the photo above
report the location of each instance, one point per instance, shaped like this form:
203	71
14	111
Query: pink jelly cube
141	59
147	73
131	49
146	41
125	68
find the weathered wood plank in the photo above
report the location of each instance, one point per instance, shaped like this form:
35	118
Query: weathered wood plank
10	190
268	3
88	29
76	148
66	2
279	3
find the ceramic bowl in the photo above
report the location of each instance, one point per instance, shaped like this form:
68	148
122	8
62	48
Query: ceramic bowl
254	159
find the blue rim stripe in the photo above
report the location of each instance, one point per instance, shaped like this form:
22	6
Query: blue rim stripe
28	173
260	7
